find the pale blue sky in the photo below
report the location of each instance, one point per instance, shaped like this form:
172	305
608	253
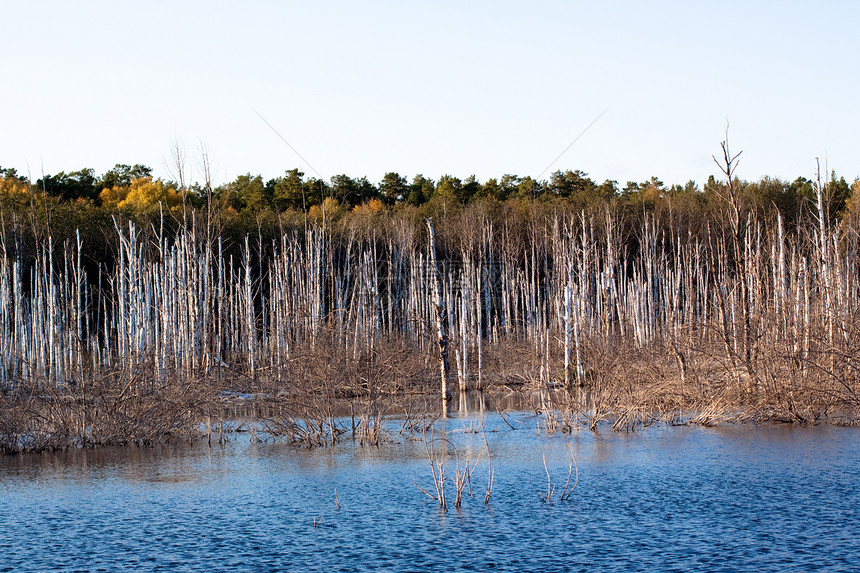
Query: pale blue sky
483	88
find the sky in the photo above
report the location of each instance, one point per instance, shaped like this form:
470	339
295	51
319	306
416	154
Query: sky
458	88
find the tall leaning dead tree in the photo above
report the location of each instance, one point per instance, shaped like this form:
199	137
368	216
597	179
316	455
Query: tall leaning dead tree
441	313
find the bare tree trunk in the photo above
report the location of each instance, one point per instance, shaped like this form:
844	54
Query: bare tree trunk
441	312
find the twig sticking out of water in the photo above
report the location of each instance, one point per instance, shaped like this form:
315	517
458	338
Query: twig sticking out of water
549	488
567	491
461	479
336	500
501	415
438	476
491	472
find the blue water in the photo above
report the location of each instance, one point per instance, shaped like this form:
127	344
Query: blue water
740	498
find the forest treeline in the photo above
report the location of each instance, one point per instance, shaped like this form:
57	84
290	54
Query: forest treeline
132	307
83	202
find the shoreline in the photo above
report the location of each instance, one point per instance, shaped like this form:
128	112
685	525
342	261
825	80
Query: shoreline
321	417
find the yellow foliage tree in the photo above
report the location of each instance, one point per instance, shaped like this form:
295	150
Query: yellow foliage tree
111	196
330	207
369	208
13	188
851	212
142	195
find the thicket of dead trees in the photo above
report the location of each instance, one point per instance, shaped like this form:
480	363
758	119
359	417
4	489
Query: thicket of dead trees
686	306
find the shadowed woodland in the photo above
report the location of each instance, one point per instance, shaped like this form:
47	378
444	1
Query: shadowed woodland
135	310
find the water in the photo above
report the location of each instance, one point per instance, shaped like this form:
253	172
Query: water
669	499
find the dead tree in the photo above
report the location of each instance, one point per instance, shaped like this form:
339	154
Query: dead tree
441	312
738	228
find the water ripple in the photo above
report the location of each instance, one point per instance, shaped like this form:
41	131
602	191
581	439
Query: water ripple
668	499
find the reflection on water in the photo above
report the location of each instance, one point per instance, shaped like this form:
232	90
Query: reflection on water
735	498
459	405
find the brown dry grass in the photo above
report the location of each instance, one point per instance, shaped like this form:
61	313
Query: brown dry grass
107	410
308	398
